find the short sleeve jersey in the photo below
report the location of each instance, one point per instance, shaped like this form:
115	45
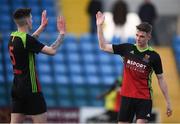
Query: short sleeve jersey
138	68
22	48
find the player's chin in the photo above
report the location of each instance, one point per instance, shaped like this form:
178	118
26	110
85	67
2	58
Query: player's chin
139	43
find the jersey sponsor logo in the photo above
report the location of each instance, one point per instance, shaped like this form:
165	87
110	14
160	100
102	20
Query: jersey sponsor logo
135	66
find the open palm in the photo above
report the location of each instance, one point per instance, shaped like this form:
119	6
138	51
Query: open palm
44	20
99	18
61	25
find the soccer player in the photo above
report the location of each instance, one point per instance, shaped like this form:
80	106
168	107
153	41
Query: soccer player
139	62
27	98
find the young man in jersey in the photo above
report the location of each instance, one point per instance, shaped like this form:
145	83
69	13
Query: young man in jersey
139	62
27	98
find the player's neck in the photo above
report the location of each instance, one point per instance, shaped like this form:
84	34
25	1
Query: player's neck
142	47
23	29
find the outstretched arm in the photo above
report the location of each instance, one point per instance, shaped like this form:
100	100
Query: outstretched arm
61	26
102	43
44	22
164	89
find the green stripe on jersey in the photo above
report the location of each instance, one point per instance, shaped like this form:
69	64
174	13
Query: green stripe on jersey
149	83
21	35
148	48
32	72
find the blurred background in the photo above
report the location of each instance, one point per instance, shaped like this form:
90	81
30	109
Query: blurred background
79	72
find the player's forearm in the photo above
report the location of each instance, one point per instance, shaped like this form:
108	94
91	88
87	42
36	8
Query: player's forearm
100	37
58	42
38	32
164	89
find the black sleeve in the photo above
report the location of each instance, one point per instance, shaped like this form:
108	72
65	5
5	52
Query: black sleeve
32	44
157	64
120	49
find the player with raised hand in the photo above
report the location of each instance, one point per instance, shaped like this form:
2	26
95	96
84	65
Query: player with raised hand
140	60
27	97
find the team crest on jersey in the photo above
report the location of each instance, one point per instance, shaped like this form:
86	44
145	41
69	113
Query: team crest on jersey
146	58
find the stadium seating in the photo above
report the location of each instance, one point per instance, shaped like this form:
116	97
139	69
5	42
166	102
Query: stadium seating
176	48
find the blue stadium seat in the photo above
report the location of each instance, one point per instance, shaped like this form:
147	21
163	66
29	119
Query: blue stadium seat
73	57
9	71
35	10
80	91
3	102
59	58
51	102
1	69
96	103
116	40
70	38
5	9
91	69
44	69
3	95
48	89
89	43
79	102
77	79
61	78
65	102
108	79
49	93
51	24
3	2
64	90
42	58
46	78
75	68
104	58
131	40
32	3
94	91
106	69
89	58
87	47
60	68
5	22
92	79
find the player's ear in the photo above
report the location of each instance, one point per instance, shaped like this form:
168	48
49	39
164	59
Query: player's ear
149	36
27	21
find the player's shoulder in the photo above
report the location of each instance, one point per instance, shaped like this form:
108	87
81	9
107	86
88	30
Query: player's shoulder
153	52
127	44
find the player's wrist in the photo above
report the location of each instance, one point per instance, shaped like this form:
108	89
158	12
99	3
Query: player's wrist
62	33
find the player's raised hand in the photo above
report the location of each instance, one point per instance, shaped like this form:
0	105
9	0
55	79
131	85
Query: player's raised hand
99	18
61	25
44	19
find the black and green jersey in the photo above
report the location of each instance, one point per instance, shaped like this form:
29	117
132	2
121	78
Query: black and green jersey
22	48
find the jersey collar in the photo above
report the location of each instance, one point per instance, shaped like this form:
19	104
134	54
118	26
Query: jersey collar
143	50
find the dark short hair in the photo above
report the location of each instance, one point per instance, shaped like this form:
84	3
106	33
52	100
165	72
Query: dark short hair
21	13
145	27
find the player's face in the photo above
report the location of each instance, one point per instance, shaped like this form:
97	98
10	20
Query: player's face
142	38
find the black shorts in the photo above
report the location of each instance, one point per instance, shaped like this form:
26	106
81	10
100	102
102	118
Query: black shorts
28	104
133	106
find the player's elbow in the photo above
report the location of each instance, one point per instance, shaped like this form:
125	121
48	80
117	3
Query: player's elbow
102	47
52	52
49	50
